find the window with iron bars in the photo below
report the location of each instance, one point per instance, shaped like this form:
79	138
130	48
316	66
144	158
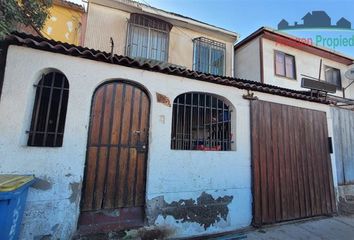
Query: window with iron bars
209	56
49	111
200	121
148	38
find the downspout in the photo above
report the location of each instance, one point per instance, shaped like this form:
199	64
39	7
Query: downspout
233	73
261	70
84	19
233	60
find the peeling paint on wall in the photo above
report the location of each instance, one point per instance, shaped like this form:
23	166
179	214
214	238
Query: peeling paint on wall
163	99
49	30
42	184
64	24
75	192
69	25
43	237
205	210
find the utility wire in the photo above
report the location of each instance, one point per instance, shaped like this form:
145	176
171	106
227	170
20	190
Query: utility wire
178	28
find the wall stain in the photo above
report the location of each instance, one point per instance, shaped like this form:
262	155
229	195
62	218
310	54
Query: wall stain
154	233
205	210
42	184
143	233
43	237
55	227
345	207
75	192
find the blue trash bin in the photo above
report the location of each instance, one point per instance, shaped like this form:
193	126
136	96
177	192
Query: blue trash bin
13	195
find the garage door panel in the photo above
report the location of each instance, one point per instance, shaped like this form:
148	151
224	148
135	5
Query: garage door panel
343	126
276	163
291	164
256	182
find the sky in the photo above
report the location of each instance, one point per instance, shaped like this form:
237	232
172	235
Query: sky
246	16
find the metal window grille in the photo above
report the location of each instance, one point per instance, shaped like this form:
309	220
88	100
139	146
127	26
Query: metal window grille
148	38
200	121
49	111
209	56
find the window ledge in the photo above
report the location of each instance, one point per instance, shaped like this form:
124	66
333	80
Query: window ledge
286	78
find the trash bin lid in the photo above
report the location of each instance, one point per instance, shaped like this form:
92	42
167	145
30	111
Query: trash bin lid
10	182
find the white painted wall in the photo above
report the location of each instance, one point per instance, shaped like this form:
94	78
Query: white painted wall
172	174
247	61
306	63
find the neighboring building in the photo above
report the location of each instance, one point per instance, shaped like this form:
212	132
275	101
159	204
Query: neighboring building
147	33
66	22
118	144
282	60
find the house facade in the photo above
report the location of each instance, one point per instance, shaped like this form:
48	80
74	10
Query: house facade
282	60
130	139
278	59
66	22
119	144
146	33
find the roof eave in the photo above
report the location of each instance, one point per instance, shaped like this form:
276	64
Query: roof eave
30	41
133	6
268	31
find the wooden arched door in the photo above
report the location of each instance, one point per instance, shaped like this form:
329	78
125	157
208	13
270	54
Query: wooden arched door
115	170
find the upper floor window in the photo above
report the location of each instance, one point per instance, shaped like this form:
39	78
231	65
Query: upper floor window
200	121
49	111
284	65
209	56
148	37
332	75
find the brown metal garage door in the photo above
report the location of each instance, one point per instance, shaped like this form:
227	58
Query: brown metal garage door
292	173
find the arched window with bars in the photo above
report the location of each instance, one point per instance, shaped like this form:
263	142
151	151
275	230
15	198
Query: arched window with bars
49	111
201	121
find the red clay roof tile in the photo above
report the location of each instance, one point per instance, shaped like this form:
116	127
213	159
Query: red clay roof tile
26	40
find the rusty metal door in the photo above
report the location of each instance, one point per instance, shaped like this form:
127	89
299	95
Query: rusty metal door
115	170
291	167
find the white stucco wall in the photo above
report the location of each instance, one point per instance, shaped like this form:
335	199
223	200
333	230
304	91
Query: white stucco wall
247	61
104	23
53	207
306	63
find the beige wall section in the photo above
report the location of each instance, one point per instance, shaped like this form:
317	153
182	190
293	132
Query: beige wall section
105	22
247	61
306	63
181	48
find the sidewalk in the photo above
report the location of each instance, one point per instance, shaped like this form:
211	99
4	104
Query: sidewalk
338	228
